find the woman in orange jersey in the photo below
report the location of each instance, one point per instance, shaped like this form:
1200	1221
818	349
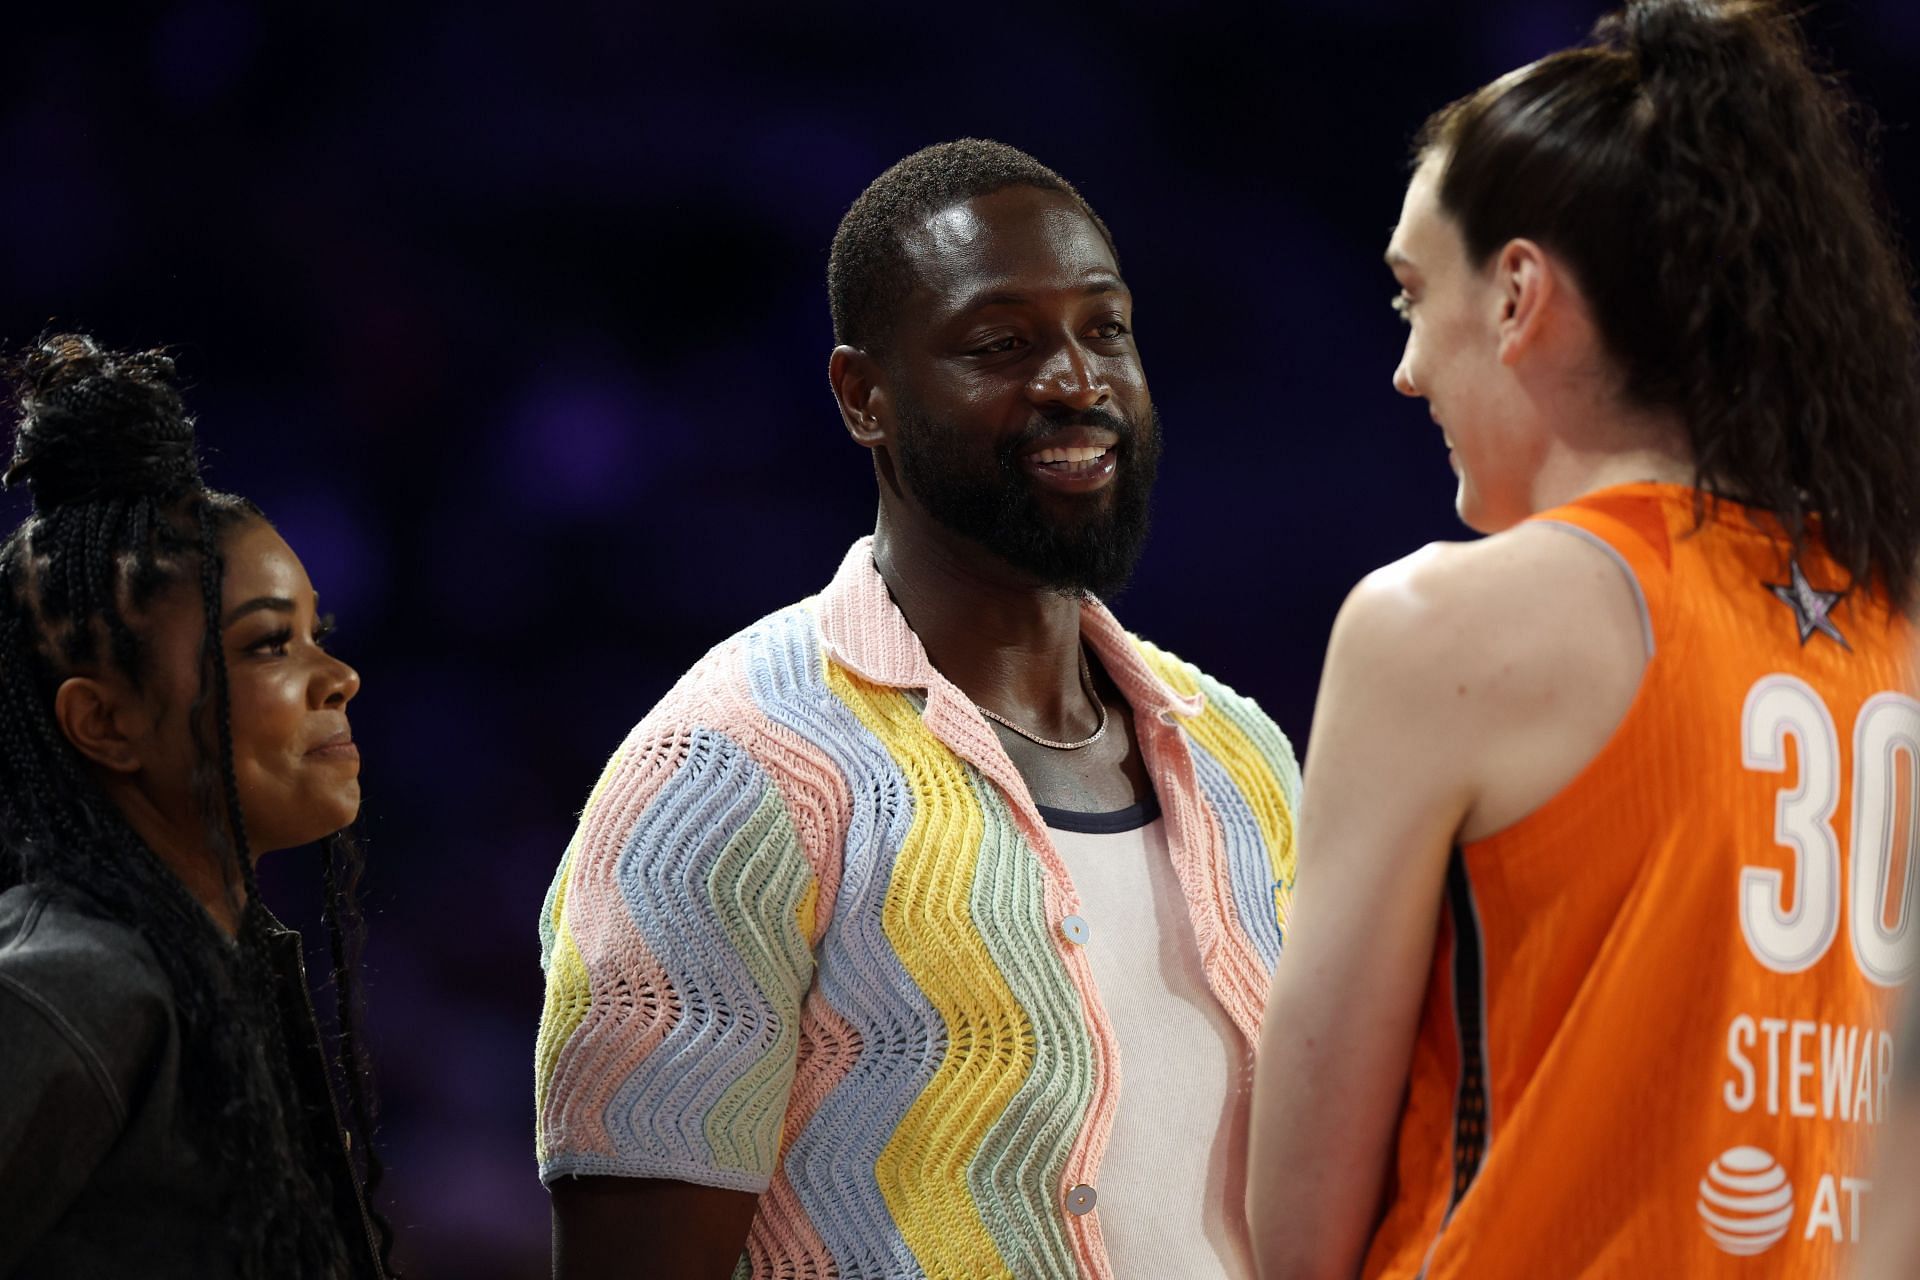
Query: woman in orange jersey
1605	861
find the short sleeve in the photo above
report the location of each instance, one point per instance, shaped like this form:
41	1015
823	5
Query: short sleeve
1248	767
676	947
1268	776
58	1119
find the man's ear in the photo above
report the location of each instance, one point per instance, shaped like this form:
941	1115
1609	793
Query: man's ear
1528	282
857	388
95	715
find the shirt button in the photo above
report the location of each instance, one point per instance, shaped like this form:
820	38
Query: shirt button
1080	1200
1075	930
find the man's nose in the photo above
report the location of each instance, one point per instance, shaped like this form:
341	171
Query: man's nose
1069	378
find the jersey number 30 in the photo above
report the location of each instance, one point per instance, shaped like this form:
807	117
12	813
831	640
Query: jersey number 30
1886	830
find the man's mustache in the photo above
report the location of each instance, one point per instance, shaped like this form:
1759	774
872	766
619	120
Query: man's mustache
1042	427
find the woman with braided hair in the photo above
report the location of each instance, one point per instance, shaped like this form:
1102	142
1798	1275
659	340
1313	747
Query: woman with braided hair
168	712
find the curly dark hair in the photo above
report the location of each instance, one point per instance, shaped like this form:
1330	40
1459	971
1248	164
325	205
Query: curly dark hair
120	516
1710	189
868	275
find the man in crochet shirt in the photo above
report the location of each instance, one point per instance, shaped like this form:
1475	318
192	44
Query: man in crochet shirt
865	920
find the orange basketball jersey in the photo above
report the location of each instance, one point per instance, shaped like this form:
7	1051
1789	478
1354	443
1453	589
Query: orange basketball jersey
1657	1038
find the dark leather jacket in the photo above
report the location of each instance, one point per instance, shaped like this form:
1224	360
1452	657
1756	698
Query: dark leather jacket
99	1175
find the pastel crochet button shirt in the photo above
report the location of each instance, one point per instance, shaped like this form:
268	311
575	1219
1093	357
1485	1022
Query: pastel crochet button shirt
810	941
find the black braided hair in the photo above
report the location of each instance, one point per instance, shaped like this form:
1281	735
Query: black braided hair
120	516
342	863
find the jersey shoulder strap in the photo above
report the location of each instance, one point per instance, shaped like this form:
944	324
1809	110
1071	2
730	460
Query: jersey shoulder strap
1634	529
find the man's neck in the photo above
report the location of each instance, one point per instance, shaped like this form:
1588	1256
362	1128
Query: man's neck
1006	642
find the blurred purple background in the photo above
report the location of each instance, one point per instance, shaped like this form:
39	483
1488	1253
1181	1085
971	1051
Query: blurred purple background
516	325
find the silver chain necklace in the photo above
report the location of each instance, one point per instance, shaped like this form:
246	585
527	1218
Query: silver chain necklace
1086	683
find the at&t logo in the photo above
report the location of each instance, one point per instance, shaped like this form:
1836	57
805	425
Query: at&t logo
1746	1201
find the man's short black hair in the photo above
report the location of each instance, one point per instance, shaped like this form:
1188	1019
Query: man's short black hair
867	274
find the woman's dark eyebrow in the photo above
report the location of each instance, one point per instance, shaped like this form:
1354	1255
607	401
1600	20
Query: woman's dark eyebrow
279	604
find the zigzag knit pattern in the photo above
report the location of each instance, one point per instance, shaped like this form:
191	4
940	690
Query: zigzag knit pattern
806	943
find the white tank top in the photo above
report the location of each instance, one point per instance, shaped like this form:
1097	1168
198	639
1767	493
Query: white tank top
1171	1187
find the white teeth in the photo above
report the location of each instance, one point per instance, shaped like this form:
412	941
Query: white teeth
1069	455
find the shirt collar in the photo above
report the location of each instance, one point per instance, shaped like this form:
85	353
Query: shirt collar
865	632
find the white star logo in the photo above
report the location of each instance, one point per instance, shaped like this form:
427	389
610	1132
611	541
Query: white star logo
1811	608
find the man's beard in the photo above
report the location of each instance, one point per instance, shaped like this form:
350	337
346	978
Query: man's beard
995	503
